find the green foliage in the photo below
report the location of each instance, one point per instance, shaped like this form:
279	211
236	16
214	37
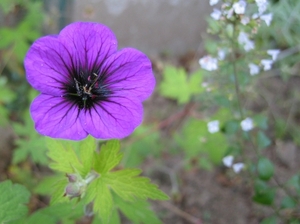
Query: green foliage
284	29
262	140
125	183
288	202
18	38
62	212
269	220
143	143
261	121
64	158
137	211
177	85
294	183
12	201
6	97
196	140
263	194
265	168
29	143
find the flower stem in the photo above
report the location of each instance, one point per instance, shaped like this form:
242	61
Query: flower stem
237	88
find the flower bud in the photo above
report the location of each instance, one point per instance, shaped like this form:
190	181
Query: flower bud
72	178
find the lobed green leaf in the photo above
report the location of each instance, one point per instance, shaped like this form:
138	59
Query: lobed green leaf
129	186
86	152
64	157
137	211
103	202
109	157
12	201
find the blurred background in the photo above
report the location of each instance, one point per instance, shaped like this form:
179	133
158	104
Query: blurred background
170	32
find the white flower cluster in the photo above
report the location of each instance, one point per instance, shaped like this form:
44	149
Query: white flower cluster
266	64
213	126
239	8
210	63
244	40
228	162
247	124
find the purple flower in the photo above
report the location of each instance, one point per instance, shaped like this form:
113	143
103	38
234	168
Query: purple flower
86	85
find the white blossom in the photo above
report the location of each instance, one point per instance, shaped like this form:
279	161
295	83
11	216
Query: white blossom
213	2
216	14
243	37
274	53
244	40
245	20
267	64
249	45
239	7
221	54
228	160
227	12
208	63
237	167
267	18
213	126
254	69
247	124
255	16
262	5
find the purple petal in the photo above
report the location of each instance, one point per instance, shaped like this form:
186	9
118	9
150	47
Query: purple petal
48	65
88	43
56	118
129	71
116	118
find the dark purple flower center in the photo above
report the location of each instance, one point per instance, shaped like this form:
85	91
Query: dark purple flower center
87	89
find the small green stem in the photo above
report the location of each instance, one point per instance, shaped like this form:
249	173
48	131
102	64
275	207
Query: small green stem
237	88
236	80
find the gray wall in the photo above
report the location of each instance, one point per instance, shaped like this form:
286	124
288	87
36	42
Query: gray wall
153	26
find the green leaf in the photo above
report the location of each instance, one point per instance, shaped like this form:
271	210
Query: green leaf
137	211
109	157
192	136
269	220
99	192
58	190
262	140
129	186
87	148
64	157
294	182
265	168
231	127
56	213
176	84
288	202
216	145
195	83
263	193
143	143
261	121
195	139
12	200
45	186
124	183
6	94
30	143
